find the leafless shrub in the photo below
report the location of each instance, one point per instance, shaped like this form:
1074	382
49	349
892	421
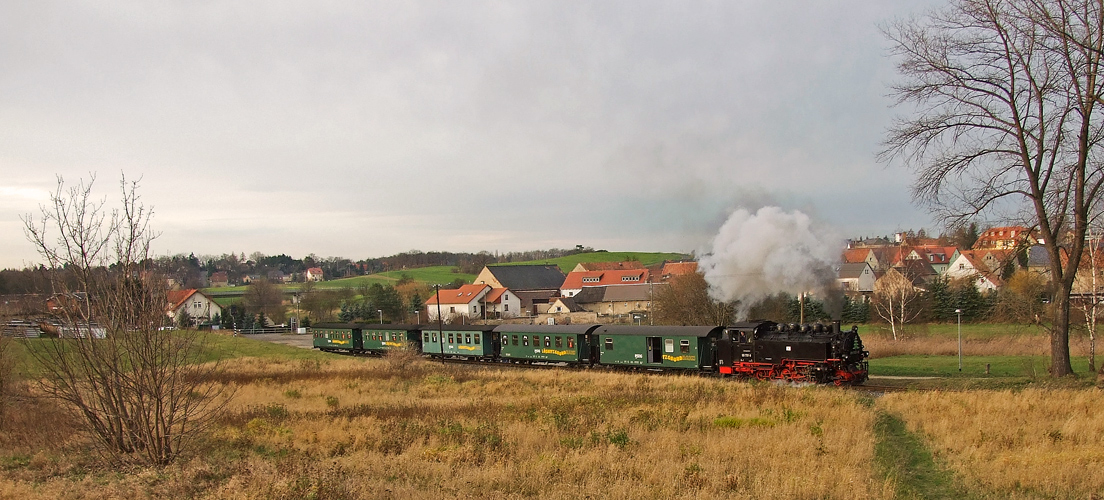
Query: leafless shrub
401	359
141	393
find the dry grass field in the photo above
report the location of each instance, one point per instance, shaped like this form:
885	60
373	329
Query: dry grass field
1013	444
367	428
308	425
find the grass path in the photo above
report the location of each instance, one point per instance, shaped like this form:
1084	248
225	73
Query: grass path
901	455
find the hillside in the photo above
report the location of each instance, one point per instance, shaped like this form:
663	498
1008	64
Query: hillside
569	262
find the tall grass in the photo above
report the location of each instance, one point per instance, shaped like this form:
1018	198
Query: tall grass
1032	443
380	428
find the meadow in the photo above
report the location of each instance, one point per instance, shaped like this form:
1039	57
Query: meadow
304	424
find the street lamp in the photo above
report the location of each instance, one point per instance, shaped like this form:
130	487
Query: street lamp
380	311
959	313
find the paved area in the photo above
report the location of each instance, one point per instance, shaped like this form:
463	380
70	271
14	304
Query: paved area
305	341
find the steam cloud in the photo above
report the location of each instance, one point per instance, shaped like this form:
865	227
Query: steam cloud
758	255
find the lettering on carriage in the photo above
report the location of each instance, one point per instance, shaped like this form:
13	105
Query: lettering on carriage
467	347
393	344
676	359
638	356
558	353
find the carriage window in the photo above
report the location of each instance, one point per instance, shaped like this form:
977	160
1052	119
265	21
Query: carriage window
425	336
467	338
559	341
513	338
450	338
524	340
684	346
570	342
435	337
609	344
668	345
548	341
477	338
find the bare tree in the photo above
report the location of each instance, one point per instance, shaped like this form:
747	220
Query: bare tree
143	394
896	300
1003	99
685	300
264	297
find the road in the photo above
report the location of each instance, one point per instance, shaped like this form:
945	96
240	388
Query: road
305	341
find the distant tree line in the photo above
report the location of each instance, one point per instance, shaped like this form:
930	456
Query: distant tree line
191	271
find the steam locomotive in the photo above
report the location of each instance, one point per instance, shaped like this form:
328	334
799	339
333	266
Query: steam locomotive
764	350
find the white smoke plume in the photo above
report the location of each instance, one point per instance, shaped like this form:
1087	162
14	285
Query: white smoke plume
755	256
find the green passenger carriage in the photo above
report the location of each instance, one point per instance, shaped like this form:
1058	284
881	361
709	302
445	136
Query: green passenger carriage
470	342
545	343
659	347
337	337
357	338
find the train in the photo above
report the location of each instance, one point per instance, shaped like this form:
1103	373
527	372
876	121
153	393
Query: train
763	350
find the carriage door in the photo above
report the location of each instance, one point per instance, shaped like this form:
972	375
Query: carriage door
655	350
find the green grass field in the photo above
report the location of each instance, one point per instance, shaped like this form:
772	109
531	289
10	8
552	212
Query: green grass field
948	330
569	262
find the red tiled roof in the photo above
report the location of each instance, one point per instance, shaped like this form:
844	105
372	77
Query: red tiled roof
575	279
855	255
678	269
462	295
178	297
495	295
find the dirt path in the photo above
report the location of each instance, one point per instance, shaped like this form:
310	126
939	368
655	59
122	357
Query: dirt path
304	341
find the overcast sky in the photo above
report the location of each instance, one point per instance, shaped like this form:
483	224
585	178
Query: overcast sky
361	129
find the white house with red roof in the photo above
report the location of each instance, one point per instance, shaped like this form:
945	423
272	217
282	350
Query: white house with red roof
313	274
577	280
464	301
502	303
970	264
198	306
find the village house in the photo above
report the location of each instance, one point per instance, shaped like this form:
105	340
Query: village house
969	265
219	279
199	307
313	274
577	280
1005	238
466	301
673	269
856	278
502	303
533	285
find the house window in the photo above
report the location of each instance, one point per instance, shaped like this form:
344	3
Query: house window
962	266
506	307
505	296
559	309
452	309
630	278
684	346
609	344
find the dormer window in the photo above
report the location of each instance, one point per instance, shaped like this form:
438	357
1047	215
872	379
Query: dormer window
630	278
